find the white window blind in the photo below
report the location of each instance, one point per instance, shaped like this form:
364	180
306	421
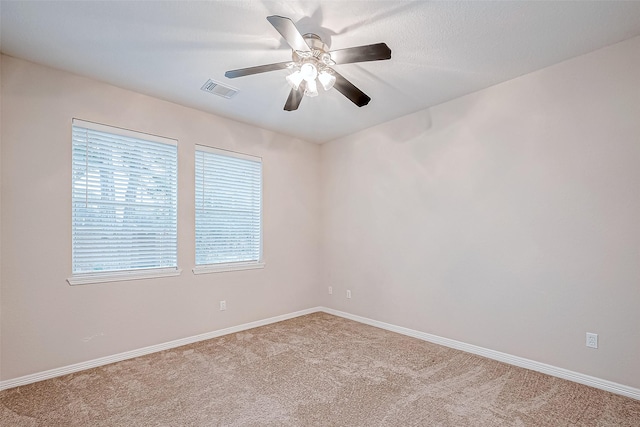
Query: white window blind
228	207
124	197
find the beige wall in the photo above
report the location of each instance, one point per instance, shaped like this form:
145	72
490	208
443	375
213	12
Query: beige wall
48	324
508	219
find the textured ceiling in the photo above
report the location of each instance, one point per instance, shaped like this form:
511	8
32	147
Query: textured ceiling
441	50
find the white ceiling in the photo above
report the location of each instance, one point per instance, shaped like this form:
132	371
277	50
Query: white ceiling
440	50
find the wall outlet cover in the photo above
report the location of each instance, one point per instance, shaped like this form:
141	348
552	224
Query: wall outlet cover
592	340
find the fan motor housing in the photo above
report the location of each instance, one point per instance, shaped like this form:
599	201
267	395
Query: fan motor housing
315	43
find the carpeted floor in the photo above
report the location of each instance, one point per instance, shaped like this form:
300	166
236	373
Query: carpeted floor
315	370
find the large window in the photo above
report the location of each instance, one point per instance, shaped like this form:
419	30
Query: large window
228	210
124	204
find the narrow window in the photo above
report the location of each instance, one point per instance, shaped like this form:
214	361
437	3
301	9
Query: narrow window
124	204
228	192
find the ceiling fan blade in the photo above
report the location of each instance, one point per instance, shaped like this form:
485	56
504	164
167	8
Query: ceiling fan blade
347	88
289	32
241	72
295	97
370	52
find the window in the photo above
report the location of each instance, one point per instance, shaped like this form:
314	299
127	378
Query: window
124	204
228	210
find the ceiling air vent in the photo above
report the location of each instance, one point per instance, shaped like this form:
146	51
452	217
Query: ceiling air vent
219	89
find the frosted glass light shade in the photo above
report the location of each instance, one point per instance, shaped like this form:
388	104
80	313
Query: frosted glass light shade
327	80
312	89
295	79
308	72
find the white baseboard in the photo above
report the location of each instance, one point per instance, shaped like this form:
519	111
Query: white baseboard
52	373
566	374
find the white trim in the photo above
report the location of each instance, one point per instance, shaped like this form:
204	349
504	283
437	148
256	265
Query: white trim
52	373
118	276
123	132
219	268
554	371
566	374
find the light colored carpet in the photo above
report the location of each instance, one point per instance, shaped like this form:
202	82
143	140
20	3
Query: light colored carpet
315	370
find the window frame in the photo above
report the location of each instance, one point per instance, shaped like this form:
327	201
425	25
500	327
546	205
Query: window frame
237	265
82	278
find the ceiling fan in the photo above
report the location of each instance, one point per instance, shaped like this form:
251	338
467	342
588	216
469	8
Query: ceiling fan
311	63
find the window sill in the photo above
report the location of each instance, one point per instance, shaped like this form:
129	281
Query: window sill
219	268
87	278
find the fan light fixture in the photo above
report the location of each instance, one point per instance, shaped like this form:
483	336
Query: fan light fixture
308	72
311	67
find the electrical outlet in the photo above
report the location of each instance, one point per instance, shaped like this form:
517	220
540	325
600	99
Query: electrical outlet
592	340
330	290
223	305
348	293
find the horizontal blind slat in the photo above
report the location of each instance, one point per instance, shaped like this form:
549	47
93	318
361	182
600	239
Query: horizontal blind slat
228	208
124	201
